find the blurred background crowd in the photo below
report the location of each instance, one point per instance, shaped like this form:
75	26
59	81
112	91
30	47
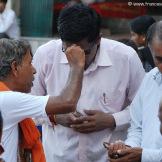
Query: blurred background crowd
38	18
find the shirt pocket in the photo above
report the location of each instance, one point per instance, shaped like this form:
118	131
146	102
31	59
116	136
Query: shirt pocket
111	102
104	103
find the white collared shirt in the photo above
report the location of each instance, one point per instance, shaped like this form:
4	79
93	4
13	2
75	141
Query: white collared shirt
145	126
8	24
109	85
15	107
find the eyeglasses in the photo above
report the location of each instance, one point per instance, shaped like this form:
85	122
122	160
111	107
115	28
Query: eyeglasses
87	51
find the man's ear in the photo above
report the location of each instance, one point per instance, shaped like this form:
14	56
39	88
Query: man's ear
14	68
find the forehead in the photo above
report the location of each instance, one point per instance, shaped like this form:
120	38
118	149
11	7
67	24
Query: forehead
133	33
27	56
82	43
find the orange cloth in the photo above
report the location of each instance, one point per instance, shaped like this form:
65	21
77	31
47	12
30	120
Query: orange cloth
30	135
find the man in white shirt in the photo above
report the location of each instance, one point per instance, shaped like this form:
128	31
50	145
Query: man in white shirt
16	76
144	138
113	73
8	22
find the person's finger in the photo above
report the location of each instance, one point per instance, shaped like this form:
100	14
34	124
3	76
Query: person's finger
88	130
122	159
111	146
83	125
124	151
90	112
83	119
119	145
111	149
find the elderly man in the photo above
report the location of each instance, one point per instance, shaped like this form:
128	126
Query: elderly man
16	76
113	73
144	138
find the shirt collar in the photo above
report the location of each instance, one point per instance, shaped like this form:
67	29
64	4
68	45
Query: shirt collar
102	57
63	58
158	77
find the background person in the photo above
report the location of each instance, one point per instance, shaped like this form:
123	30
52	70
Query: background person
138	30
9	27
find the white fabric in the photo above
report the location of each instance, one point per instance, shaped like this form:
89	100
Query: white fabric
145	126
8	24
109	85
15	107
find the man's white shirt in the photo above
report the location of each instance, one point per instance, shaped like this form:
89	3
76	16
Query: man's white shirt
145	125
8	24
16	107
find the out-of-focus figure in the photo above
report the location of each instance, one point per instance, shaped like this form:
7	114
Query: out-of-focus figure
139	27
8	22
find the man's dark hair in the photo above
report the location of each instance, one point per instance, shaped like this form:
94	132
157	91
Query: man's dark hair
3	1
78	22
11	50
141	24
154	30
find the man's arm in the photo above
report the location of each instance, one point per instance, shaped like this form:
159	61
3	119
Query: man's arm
67	100
134	136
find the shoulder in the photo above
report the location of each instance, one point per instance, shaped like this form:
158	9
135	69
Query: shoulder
49	49
9	12
13	96
120	53
118	49
52	45
153	73
18	99
151	77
